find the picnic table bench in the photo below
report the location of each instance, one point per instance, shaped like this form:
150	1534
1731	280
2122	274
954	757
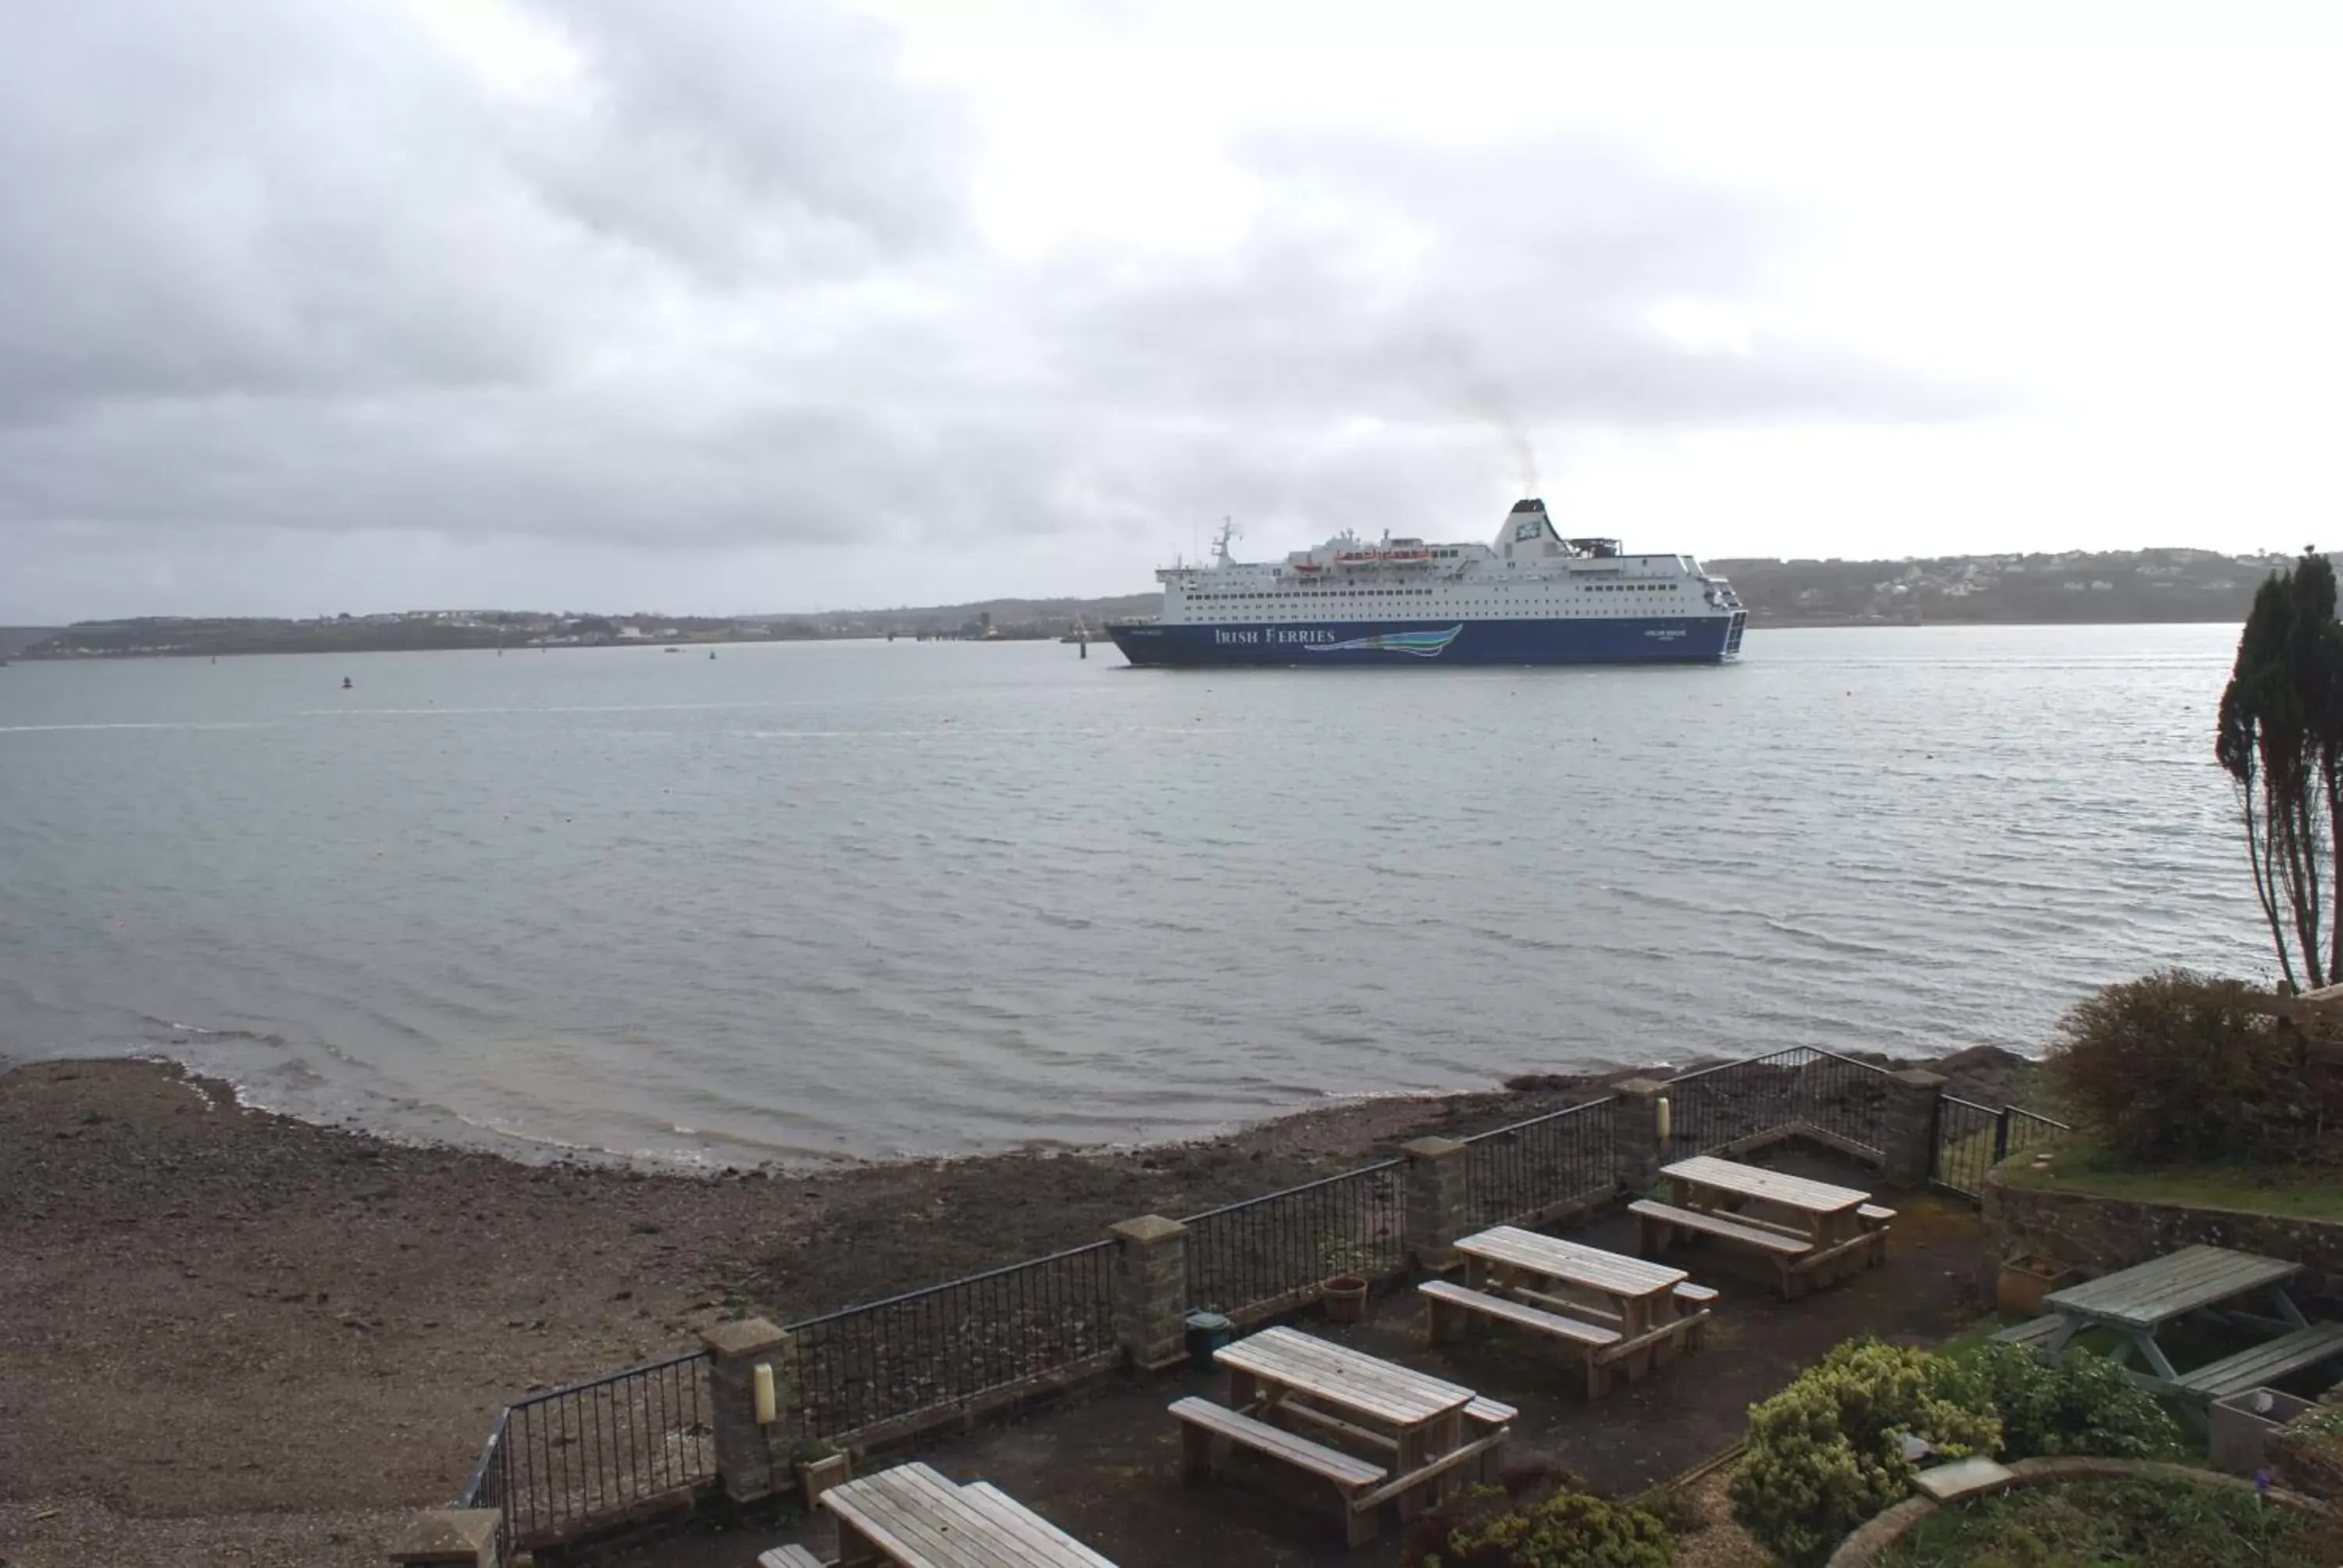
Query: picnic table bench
2137	1304
1806	1229
1425	1433
789	1557
914	1517
1616	1313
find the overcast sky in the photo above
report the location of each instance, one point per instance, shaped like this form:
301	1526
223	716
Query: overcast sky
752	305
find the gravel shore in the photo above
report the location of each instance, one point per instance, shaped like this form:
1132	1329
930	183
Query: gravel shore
227	1336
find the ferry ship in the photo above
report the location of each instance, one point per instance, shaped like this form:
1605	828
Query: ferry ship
1530	597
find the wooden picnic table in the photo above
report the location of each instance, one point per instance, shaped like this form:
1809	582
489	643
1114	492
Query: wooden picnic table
2137	1302
1824	1213
1415	1418
1810	1230
914	1517
1636	1294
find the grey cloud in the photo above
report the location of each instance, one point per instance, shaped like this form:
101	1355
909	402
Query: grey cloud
1523	287
295	270
271	197
747	141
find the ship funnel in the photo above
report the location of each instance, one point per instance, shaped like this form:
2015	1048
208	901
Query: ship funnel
1525	528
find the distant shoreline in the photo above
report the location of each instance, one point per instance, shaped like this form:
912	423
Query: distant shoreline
1756	623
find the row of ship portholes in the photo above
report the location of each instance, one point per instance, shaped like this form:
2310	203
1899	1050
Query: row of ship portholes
1500	608
1321	596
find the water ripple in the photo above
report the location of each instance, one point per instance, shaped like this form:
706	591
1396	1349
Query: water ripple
836	900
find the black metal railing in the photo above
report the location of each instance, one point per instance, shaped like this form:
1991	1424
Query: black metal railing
1519	1174
485	1487
1972	1139
2030	1129
946	1346
1844	1100
1969	1140
597	1450
1266	1252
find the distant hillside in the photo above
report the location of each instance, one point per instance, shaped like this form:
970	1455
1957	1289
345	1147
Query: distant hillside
173	636
1007	617
2115	586
179	637
2074	586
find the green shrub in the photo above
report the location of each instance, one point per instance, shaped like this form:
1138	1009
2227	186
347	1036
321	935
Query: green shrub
1674	1507
1517	1486
2306	1454
2118	1524
2176	1066
2083	1404
1561	1530
1826	1453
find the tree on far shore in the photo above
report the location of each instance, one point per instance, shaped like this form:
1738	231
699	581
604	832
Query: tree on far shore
2281	743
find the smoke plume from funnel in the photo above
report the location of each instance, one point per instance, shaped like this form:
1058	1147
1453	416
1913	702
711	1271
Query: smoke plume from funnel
1451	365
1524	455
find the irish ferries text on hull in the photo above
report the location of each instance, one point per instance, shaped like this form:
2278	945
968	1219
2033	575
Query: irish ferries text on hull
1531	598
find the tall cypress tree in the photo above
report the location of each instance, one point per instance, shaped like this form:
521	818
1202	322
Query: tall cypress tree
2281	743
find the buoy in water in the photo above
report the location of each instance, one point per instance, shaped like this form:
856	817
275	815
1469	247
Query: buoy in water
346	683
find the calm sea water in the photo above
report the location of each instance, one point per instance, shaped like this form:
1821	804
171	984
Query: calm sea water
862	898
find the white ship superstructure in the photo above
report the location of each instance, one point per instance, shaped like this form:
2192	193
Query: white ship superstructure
1530	597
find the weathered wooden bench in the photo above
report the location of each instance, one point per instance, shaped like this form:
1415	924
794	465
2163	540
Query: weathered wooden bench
1204	1426
788	1557
1655	1223
1490	1419
2264	1363
915	1517
2034	1334
1443	1302
1487	1413
1699	1298
1875	1220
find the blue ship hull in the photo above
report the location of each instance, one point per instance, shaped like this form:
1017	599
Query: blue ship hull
1659	639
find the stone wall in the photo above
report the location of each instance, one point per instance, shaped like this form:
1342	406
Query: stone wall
2099	1235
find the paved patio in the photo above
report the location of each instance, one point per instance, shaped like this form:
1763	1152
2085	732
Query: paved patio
1106	1465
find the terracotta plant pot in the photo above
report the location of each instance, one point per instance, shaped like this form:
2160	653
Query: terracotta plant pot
1345	1296
2026	1280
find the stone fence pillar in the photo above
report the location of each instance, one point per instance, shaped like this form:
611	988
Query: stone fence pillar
752	1458
1635	1112
1435	1199
1151	1290
449	1538
1907	1140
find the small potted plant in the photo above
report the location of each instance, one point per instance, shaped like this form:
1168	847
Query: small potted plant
820	1466
1344	1290
1345	1296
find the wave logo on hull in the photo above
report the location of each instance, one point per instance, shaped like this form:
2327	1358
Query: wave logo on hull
1422	644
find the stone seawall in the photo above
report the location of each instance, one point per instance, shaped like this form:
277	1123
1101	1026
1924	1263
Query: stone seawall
2099	1235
